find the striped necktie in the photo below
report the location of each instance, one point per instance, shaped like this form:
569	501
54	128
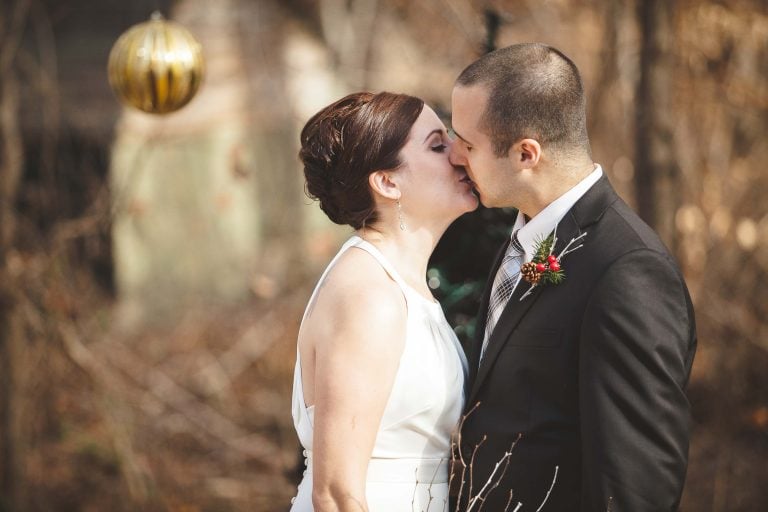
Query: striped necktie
503	286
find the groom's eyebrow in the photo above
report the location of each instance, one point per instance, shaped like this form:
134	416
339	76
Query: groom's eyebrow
459	136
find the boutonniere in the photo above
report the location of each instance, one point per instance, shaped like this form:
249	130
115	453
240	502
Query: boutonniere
546	267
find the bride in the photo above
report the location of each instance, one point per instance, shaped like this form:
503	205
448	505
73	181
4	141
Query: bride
378	385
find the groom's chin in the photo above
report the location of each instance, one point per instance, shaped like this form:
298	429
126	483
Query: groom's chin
476	193
489	201
481	200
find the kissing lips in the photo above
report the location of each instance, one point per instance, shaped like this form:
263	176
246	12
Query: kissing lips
465	179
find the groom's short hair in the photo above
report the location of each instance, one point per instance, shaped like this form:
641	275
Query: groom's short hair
534	91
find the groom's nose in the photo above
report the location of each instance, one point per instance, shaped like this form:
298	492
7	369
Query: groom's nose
457	155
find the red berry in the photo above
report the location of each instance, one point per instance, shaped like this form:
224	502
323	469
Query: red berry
540	267
554	267
552	259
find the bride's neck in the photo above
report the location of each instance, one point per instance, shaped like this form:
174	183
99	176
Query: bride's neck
408	250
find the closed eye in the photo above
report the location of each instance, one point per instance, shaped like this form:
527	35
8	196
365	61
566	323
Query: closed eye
439	148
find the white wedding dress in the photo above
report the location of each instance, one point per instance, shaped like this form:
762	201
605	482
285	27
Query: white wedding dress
408	470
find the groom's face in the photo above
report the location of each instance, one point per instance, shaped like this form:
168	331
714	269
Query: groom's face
473	149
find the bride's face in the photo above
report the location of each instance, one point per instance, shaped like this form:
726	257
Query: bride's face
432	189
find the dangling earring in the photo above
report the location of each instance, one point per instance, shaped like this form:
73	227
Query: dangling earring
400	215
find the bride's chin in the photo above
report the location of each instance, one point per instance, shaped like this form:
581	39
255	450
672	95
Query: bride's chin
472	203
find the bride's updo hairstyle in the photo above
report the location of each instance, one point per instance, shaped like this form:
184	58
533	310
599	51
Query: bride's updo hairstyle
347	141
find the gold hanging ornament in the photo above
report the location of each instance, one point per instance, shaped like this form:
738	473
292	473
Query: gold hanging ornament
156	66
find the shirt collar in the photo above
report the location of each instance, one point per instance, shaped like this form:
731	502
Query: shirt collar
539	227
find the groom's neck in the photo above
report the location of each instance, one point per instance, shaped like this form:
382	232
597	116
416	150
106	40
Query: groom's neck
551	184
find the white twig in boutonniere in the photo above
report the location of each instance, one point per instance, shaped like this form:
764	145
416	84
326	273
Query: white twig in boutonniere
546	267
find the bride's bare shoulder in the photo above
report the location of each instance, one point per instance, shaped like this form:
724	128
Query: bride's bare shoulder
358	274
359	287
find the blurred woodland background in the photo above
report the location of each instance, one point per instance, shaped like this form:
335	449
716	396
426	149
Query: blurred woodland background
153	270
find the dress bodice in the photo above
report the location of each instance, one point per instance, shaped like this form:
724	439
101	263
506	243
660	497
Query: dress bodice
427	396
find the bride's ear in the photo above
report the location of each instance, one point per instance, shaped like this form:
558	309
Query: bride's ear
382	184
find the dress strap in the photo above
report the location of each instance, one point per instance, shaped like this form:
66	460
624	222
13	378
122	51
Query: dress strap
408	291
385	264
349	243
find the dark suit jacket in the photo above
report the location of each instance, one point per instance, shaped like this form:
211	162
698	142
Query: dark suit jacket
592	372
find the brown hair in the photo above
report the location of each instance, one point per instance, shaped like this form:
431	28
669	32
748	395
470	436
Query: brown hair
534	91
347	141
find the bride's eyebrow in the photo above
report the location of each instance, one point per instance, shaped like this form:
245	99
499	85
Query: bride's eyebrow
436	130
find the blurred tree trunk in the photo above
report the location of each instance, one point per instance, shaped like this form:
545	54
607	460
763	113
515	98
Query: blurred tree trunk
349	29
11	166
656	179
10	173
609	67
206	198
271	145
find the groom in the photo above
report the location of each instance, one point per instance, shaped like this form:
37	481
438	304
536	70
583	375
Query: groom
589	372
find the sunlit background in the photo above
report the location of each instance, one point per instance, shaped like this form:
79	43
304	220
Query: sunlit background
153	269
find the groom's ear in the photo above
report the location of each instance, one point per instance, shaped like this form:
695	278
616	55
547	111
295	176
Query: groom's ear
527	152
381	183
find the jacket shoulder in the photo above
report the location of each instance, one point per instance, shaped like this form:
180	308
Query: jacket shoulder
620	231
